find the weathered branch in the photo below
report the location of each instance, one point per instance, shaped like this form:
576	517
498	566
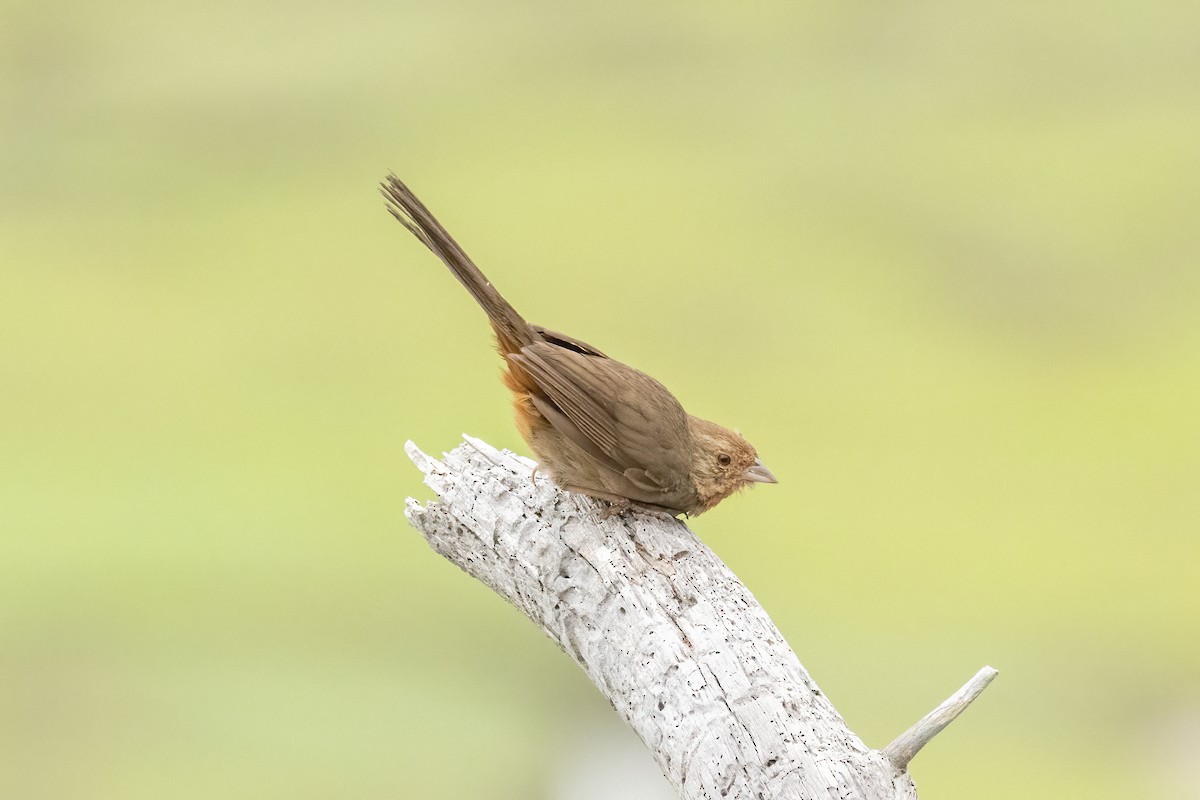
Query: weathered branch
909	743
668	634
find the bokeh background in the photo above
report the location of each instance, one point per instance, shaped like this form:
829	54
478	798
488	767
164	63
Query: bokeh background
940	261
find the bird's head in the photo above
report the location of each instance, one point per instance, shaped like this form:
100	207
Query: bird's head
722	463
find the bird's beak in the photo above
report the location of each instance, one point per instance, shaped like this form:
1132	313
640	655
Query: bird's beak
759	474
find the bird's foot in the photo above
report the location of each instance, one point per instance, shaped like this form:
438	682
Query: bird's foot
616	508
624	506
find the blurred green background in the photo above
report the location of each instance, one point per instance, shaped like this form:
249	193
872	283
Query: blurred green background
939	261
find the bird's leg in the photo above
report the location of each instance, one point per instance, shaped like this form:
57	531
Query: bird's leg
616	508
656	511
622	506
615	505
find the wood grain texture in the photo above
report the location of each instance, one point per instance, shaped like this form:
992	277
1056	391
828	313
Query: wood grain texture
664	629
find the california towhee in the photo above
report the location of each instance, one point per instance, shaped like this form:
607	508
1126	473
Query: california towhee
600	427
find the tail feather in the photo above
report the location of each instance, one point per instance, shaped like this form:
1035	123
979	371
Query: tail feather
511	329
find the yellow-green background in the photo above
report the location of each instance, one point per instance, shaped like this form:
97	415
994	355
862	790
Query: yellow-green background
939	261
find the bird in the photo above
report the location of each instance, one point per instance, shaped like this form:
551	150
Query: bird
599	427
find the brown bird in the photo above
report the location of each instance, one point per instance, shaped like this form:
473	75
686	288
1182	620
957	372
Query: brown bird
599	427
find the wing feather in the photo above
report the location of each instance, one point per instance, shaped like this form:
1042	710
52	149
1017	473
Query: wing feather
626	415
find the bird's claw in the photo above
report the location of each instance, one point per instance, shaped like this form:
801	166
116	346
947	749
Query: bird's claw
615	508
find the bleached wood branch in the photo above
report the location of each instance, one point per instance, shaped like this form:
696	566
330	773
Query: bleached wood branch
665	630
909	743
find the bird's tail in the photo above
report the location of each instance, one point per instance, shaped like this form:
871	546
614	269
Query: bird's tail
512	332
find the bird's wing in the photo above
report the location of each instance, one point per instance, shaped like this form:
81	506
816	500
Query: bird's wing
625	418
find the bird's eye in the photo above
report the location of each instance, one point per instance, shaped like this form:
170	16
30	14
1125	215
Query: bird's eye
724	459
